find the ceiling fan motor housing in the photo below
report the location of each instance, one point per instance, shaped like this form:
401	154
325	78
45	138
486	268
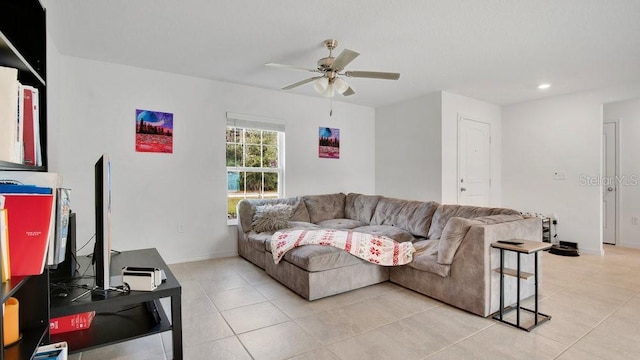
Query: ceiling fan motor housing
326	63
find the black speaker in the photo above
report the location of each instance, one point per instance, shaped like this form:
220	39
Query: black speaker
67	268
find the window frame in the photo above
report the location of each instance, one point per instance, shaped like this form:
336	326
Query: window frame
252	122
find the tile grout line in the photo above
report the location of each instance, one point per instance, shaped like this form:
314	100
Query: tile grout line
493	323
570	346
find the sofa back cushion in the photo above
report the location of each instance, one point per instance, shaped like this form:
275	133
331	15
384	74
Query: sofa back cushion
413	216
360	207
457	228
325	207
446	212
247	208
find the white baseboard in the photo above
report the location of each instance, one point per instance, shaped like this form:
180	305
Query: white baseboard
216	255
630	244
592	251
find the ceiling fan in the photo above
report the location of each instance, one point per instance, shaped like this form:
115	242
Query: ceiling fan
331	69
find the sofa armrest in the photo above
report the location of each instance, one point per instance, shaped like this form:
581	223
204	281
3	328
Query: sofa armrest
472	266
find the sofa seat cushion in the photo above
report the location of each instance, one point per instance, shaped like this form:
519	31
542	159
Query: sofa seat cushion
302	225
258	240
426	258
340	224
394	232
314	258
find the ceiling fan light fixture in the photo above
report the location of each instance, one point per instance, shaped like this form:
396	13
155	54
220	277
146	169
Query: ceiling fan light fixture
329	91
321	85
340	85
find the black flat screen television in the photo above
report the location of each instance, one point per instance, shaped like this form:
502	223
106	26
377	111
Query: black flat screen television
102	248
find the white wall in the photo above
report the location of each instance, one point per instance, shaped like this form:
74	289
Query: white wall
417	146
408	149
628	115
152	193
564	134
452	106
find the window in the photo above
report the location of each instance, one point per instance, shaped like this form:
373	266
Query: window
254	160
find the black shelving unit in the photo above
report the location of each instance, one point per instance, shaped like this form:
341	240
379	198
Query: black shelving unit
23	46
32	293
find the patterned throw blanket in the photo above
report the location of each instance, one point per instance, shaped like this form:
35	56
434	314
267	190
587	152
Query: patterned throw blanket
377	249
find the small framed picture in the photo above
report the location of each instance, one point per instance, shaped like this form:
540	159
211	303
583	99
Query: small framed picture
329	143
154	131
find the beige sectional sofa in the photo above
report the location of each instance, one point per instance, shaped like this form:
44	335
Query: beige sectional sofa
453	263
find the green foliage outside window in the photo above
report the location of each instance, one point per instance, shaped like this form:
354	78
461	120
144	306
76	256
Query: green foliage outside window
252	165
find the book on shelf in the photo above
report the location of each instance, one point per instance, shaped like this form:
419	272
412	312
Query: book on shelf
5	266
28	115
57	351
63	209
36	126
19	146
9	125
24	189
39	179
29	227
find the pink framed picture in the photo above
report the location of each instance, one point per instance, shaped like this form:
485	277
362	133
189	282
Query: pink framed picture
154	131
329	143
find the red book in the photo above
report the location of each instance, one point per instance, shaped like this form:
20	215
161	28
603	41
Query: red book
29	220
28	132
71	322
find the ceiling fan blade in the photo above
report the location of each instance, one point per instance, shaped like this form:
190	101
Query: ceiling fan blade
373	75
290	67
349	92
345	57
294	85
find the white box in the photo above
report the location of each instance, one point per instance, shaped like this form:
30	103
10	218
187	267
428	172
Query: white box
141	279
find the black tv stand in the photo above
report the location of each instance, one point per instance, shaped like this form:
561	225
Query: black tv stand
116	310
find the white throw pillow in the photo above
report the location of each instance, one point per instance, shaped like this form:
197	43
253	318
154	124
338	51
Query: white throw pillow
270	218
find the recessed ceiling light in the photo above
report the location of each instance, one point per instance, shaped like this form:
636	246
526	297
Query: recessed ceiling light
544	86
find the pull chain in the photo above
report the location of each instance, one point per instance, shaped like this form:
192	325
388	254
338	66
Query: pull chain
331	106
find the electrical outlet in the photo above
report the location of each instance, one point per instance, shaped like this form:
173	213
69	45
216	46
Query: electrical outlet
180	227
634	220
559	175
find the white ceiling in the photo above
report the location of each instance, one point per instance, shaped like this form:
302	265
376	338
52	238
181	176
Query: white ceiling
493	50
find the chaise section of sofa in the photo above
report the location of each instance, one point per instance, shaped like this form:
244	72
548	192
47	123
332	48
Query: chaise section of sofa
472	283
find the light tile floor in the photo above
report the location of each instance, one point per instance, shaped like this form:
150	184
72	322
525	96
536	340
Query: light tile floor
233	310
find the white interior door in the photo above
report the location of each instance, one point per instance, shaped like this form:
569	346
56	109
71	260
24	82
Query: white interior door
474	162
609	183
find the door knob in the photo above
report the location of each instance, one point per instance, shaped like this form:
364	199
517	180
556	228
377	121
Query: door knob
609	188
463	189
